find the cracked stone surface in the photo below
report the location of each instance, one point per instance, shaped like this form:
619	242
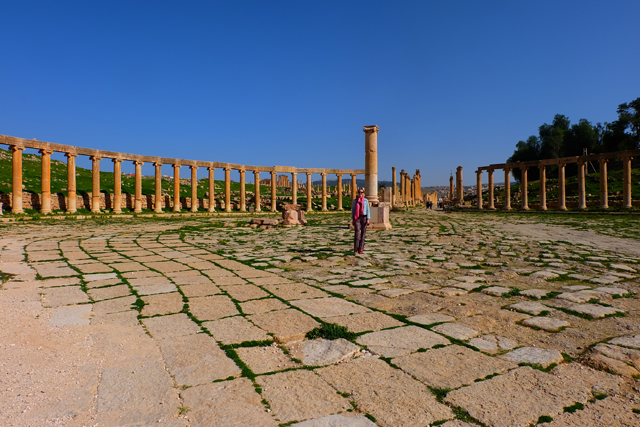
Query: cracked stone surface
106	322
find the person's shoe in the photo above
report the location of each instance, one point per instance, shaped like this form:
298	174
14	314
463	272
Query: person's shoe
361	252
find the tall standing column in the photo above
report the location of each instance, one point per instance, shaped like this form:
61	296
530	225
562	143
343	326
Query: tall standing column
256	178
117	185
227	189
507	189
543	187
604	191
176	188
309	194
157	206
243	192
95	187
212	189
71	182
194	188
562	194
490	196
582	193
393	186
137	203
16	178
324	191
479	188
45	181
451	188
626	183
524	188
413	191
371	163
354	186
339	189
459	188
274	190
294	188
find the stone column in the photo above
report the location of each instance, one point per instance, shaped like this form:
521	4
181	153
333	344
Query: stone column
626	183
371	163
227	189
324	191
451	188
194	188
137	203
479	187
490	196
16	178
176	188
117	185
157	206
309	195
524	188
562	195
294	188
393	186
459	188
45	181
339	189
95	187
582	193
543	187
212	189
604	191
256	178
412	185
507	189
354	186
71	182
243	192
274	190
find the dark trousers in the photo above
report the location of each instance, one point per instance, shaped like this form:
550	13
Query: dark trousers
361	229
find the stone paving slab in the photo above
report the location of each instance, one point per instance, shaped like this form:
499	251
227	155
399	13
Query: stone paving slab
451	366
167	266
162	304
431	318
199	290
300	395
212	308
262	306
232	403
265	359
319	352
329	307
391	396
594	311
295	291
517	398
71	315
235	330
245	292
196	359
400	341
174	325
531	307
54	297
113	305
338	420
286	325
627	341
371	321
548	324
534	355
456	331
98	294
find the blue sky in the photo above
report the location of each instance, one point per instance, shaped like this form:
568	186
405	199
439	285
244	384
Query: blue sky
293	82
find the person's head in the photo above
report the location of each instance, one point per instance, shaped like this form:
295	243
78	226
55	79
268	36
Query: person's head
361	193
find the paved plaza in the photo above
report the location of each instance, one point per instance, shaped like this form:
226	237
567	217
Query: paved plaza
458	319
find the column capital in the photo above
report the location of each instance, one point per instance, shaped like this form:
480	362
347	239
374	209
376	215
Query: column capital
242	171
176	166
138	162
117	161
323	174
45	151
227	169
371	129
69	155
211	168
192	167
95	157
308	174
603	159
274	173
157	164
16	148
353	175
339	175
523	167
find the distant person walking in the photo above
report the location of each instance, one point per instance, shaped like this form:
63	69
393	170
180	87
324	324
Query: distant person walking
360	215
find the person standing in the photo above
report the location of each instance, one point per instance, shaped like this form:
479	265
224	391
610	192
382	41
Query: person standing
360	215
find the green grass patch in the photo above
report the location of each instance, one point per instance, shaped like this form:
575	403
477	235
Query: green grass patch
439	393
331	331
514	292
538	366
370	417
544	419
573	408
183	410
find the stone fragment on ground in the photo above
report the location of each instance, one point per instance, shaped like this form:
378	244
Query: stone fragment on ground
593	310
627	341
319	352
531	307
456	331
431	318
548	324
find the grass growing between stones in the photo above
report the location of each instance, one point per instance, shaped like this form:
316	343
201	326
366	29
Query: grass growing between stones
538	366
331	331
544	419
573	408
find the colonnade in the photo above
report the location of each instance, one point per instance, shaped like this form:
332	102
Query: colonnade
580	161
409	188
18	145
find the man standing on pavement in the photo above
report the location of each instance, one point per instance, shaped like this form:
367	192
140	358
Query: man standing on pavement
360	216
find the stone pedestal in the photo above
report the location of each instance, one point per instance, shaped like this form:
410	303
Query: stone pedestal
293	215
379	216
379	210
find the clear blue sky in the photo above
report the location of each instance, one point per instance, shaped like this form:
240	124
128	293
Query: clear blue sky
293	82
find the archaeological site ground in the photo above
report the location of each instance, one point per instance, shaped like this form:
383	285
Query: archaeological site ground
454	319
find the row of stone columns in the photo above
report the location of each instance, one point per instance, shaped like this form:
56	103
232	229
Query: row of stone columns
409	188
117	177
582	197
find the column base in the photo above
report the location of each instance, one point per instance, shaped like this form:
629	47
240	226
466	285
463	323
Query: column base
160	211
379	216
